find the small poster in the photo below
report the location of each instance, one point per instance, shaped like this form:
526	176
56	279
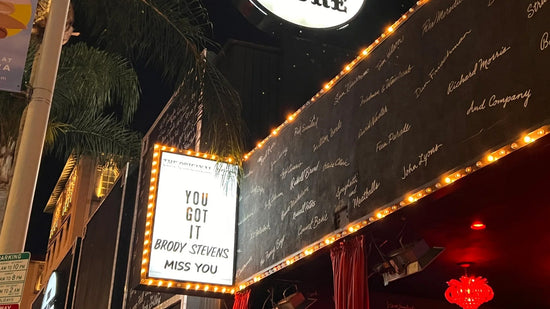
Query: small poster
16	18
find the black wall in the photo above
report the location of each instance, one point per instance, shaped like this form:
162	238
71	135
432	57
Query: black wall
420	105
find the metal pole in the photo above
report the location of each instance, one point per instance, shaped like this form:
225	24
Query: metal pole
23	184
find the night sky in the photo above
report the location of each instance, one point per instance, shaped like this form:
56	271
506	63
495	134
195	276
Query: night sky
229	23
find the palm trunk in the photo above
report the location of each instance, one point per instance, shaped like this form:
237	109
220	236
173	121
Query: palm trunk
7	153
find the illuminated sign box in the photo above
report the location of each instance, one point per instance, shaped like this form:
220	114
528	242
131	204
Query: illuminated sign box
190	226
315	14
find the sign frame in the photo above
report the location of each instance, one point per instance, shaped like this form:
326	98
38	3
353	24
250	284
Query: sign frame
182	164
11	264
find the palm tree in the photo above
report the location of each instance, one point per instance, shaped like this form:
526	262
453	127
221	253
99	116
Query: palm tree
90	82
169	36
165	35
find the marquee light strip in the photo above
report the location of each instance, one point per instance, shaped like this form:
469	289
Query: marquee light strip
347	68
406	200
151	203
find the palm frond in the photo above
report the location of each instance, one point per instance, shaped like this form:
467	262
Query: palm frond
54	130
222	125
94	135
94	81
166	35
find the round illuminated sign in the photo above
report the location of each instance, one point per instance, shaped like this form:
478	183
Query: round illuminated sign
49	293
316	14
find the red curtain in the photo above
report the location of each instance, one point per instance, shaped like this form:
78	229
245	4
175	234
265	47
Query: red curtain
351	288
241	300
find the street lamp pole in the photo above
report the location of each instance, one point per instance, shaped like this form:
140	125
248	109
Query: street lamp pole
27	163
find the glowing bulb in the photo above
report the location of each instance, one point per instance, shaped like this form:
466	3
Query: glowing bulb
327	86
365	52
390	29
478	225
490	158
448	180
527	139
156	146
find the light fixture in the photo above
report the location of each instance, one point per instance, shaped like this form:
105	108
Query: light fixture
478	225
469	292
407	260
296	300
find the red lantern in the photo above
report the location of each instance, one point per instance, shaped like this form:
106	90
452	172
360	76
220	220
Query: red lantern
469	292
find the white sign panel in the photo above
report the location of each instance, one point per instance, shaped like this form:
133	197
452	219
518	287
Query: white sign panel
314	13
13	272
193	235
